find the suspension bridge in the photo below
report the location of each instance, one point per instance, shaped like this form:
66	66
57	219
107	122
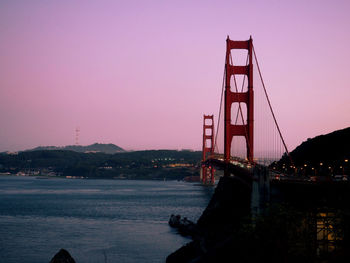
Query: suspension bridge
247	135
247	143
247	139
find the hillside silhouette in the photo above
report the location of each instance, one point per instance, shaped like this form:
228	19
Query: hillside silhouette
328	150
96	147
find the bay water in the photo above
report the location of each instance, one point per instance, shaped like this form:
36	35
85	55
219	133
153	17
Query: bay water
95	220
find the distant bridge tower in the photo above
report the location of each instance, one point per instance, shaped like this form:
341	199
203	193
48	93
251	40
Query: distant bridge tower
208	148
232	96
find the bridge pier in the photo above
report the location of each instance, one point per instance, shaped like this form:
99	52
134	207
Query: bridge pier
260	190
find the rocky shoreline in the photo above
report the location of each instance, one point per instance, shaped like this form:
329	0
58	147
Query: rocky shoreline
213	233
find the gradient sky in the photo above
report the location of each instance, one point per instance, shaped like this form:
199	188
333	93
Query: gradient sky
141	74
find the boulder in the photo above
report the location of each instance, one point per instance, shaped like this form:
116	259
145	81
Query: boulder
62	257
183	225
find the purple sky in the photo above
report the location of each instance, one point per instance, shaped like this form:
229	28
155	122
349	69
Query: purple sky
141	74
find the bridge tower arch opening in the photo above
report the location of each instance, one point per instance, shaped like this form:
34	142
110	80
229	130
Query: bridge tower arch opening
233	95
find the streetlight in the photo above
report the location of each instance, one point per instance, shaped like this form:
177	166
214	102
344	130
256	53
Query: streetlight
346	162
330	170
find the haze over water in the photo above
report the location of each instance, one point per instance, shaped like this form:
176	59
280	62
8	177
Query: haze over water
126	221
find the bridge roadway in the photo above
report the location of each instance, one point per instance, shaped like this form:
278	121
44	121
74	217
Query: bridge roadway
270	188
237	166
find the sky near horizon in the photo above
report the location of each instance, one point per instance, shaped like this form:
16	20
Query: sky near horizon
141	74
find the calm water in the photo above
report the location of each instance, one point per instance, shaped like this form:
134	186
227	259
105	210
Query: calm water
124	221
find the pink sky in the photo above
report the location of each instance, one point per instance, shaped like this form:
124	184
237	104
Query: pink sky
141	74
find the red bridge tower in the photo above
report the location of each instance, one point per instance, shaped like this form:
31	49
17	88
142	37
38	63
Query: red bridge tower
245	129
208	148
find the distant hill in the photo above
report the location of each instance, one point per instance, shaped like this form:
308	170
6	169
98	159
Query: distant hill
154	164
332	148
96	147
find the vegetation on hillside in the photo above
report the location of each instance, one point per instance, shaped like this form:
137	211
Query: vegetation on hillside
157	164
96	147
321	155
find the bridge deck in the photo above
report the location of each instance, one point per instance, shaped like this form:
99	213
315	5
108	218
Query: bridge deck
293	189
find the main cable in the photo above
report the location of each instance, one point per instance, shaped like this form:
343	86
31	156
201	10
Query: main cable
222	94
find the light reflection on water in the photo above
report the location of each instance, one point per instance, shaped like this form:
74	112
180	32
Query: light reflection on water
126	220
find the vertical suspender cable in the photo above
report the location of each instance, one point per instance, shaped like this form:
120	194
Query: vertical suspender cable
273	115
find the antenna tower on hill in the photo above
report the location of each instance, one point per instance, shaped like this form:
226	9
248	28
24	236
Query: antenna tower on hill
77	132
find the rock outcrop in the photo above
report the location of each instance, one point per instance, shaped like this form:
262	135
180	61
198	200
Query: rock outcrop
62	257
184	226
212	238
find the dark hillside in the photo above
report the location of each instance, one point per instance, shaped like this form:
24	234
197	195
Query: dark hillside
331	146
96	147
329	150
155	164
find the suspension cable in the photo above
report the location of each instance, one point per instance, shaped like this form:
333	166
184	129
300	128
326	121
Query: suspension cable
222	94
273	114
